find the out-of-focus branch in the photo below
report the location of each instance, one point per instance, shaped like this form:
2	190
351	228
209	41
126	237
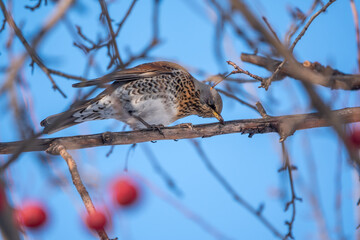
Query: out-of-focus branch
334	79
284	125
105	13
57	148
60	10
171	184
232	192
357	30
185	211
300	72
268	81
237	99
8	226
305	28
36	6
29	49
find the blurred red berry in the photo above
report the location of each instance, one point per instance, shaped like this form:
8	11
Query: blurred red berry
125	192
355	137
96	220
32	215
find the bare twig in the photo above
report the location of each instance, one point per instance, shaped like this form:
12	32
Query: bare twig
227	17
313	191
261	110
240	70
232	191
3	25
301	34
356	23
36	6
339	224
268	81
334	121
333	81
270	28
287	166
60	10
29	49
111	31
125	17
57	148
295	27
188	213
171	184
237	99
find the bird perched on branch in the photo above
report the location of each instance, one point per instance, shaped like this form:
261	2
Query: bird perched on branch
148	95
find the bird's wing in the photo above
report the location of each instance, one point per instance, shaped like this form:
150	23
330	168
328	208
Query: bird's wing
142	71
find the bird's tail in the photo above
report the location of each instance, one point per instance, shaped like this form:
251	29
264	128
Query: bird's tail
59	121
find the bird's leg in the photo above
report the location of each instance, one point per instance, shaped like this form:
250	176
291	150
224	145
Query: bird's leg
153	127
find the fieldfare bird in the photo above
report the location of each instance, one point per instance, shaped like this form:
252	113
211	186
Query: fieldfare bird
148	95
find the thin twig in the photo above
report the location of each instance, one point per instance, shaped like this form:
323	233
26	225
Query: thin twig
111	31
270	28
57	148
188	213
171	184
36	6
240	70
268	81
287	166
293	29
29	49
301	34
356	23
125	17
261	110
237	99
232	191
3	25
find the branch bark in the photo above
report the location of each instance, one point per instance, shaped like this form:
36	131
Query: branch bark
57	148
338	81
284	125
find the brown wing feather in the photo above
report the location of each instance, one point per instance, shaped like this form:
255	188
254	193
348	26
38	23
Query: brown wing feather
141	71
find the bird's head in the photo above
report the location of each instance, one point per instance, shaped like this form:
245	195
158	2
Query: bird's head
210	102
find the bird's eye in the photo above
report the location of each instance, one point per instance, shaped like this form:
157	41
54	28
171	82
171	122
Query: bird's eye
211	104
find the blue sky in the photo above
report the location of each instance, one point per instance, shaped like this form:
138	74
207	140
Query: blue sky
249	164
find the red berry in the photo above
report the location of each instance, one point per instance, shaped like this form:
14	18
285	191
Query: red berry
32	215
96	220
355	137
125	192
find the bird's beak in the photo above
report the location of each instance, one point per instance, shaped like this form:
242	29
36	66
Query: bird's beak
218	117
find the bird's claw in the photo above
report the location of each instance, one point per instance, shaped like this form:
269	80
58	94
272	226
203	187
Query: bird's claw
157	127
185	125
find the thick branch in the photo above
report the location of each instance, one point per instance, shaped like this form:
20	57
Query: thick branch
336	81
290	123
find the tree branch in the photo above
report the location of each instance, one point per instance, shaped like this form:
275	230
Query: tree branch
57	148
247	126
336	80
29	49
